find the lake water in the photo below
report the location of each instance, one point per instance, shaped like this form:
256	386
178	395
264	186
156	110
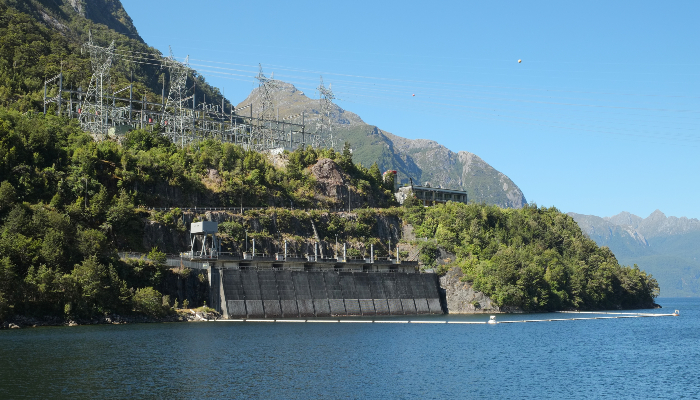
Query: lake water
614	358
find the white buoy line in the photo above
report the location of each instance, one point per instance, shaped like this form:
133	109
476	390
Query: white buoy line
491	321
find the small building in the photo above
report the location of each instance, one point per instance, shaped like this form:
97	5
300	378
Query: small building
204	244
430	195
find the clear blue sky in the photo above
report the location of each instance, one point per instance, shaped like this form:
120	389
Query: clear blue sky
601	116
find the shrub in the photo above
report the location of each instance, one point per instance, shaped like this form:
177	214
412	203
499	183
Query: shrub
149	301
429	252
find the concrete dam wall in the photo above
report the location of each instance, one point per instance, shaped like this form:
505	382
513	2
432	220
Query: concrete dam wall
250	293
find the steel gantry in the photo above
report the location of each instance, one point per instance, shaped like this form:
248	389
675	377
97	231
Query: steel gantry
109	115
94	114
324	129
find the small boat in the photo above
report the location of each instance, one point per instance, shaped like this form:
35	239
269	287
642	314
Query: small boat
676	313
492	320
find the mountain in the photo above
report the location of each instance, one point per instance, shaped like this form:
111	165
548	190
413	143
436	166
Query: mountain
664	246
422	160
40	38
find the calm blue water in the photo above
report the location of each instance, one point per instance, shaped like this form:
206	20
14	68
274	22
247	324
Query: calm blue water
618	358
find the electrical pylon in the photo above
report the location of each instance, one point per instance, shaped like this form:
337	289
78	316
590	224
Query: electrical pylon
324	135
267	111
93	115
175	119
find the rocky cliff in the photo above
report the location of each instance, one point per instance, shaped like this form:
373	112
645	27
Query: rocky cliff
461	298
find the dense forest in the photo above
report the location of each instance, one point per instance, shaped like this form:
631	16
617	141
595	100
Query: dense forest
68	203
533	258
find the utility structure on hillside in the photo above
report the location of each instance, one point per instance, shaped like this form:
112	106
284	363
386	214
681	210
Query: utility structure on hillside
108	115
94	114
324	134
266	114
175	116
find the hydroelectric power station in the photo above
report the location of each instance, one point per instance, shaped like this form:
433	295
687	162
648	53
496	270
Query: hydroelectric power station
284	286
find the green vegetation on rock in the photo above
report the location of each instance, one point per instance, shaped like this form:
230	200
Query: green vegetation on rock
40	39
532	258
664	246
68	203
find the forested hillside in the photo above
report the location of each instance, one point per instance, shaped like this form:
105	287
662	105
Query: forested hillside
533	258
420	160
67	203
664	246
39	39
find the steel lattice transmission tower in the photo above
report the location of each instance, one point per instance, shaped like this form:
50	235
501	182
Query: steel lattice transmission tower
265	88
93	117
174	116
324	135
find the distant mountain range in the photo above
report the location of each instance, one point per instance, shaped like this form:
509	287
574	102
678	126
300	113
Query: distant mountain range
423	161
666	247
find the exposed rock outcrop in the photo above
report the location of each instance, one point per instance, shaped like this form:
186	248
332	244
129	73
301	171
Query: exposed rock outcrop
164	238
463	299
329	178
334	185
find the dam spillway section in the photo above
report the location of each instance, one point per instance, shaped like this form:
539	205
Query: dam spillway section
288	287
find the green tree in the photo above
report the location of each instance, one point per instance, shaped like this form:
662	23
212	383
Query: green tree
429	253
157	256
345	159
375	174
91	242
96	288
144	139
149	301
8	195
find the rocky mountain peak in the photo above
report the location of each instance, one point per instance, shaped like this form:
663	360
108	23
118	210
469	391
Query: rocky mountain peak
658	224
625	219
420	160
655	225
290	102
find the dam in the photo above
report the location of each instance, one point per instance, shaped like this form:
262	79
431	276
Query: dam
285	293
255	285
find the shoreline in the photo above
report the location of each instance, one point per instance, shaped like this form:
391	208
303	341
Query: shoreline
512	310
20	321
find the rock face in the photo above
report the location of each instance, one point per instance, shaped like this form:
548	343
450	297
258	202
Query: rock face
107	12
160	236
605	230
637	229
494	186
333	184
655	225
329	178
463	299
